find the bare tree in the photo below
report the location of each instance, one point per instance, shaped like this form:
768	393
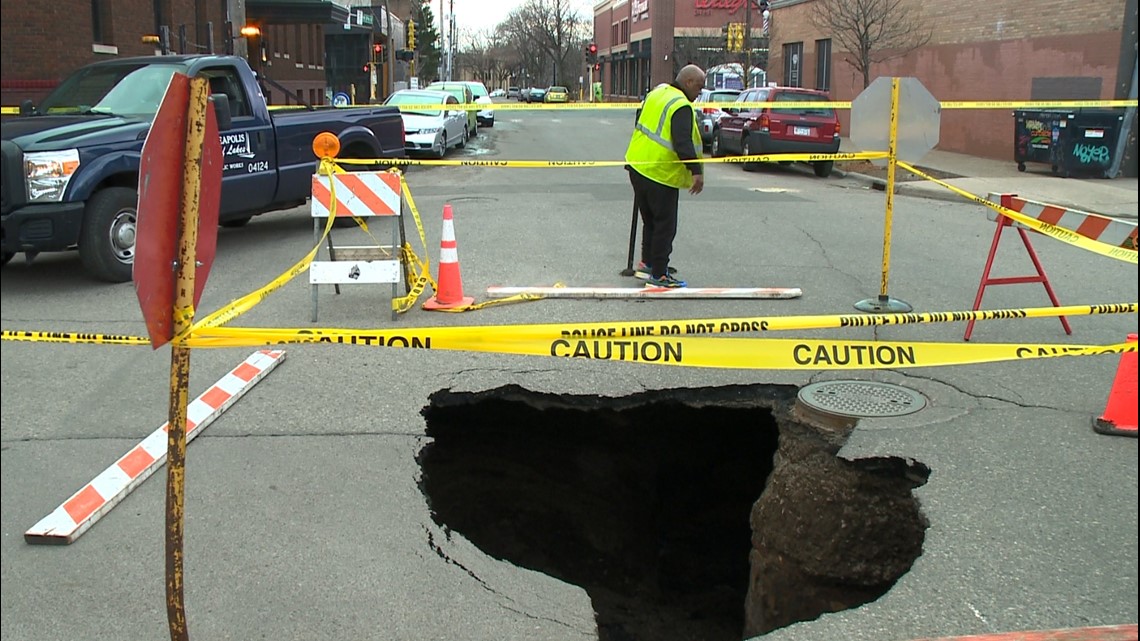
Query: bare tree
872	31
549	36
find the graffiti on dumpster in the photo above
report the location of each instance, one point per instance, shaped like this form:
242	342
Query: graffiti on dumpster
1091	154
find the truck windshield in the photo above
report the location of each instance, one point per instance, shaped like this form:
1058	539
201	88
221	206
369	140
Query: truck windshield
124	90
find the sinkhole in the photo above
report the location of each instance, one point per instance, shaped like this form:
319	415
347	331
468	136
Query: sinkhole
715	513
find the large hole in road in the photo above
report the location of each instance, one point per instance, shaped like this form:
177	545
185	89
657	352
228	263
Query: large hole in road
712	513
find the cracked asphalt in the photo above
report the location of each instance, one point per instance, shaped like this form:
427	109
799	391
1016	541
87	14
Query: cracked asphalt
304	515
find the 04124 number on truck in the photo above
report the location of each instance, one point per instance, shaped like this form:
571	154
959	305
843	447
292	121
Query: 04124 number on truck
70	167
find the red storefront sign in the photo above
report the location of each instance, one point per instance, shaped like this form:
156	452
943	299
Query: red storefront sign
705	7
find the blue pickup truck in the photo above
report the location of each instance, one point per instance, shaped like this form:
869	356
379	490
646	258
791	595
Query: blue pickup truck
70	166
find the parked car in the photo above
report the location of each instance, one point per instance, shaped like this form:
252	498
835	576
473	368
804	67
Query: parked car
775	130
499	93
433	131
708	118
485	117
513	92
557	94
536	94
71	164
524	93
463	94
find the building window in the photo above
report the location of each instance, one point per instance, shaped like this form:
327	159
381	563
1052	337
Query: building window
625	30
793	59
100	22
614	34
823	65
299	44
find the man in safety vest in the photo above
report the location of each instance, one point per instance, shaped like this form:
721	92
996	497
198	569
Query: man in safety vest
665	136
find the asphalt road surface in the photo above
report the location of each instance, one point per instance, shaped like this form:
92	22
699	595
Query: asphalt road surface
305	517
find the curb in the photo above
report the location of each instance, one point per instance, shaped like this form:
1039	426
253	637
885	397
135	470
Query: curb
917	191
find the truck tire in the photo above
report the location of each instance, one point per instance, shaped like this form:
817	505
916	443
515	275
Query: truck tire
234	223
7	257
823	167
107	240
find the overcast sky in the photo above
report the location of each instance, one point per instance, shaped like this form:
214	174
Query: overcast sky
477	15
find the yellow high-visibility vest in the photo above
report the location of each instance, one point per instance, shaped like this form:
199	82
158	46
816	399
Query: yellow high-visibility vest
652	139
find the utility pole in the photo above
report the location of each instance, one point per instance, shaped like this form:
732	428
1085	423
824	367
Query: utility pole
747	43
442	40
390	76
451	42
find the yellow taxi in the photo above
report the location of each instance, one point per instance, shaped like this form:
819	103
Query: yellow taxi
557	94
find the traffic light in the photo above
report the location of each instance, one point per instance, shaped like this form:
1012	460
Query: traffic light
377	50
411	34
367	67
734	37
597	66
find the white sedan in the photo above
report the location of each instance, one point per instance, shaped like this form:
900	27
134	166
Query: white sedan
431	130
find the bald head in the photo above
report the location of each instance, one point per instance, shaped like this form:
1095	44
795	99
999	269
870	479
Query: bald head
691	79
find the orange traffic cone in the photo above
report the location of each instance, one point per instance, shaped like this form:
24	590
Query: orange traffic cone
449	285
1120	414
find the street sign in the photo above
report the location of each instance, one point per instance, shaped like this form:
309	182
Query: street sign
161	177
341	99
919	116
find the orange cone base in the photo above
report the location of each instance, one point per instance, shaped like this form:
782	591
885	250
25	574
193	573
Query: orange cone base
433	303
1108	427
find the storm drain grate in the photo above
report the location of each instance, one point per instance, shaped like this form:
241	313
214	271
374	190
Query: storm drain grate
861	399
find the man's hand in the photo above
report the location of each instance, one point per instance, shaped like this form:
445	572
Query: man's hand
698	184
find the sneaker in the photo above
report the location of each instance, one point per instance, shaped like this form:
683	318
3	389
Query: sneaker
665	281
645	272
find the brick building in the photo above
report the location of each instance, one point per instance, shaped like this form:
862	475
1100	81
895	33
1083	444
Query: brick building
1003	50
308	48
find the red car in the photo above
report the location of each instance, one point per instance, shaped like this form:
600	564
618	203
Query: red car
778	130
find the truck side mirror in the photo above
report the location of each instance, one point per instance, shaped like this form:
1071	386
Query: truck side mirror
27	108
221	104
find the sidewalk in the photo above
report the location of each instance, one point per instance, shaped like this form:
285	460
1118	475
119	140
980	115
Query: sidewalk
982	176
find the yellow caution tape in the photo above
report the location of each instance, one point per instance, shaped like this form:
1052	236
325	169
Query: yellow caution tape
800	104
791	104
578	164
688	351
1053	231
611	329
1034	104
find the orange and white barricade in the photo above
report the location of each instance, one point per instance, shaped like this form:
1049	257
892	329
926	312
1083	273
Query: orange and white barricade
1100	228
367	195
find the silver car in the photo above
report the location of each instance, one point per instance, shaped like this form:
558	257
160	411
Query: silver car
432	130
708	118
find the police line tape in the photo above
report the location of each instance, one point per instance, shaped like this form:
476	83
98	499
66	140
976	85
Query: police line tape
790	104
834	104
567	164
1067	236
663	341
686	351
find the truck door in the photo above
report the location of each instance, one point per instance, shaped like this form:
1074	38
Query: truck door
249	171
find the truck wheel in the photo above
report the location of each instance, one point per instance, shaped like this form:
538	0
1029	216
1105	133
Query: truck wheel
823	167
234	223
715	147
107	240
6	257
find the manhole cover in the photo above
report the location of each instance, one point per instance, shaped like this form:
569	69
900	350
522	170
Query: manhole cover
861	399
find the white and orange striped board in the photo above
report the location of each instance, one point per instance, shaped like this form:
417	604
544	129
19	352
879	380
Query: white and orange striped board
358	194
78	513
1111	231
647	292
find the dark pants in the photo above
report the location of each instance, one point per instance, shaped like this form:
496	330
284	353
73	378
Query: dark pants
658	206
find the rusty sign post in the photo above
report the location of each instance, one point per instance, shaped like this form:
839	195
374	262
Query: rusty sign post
179	190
